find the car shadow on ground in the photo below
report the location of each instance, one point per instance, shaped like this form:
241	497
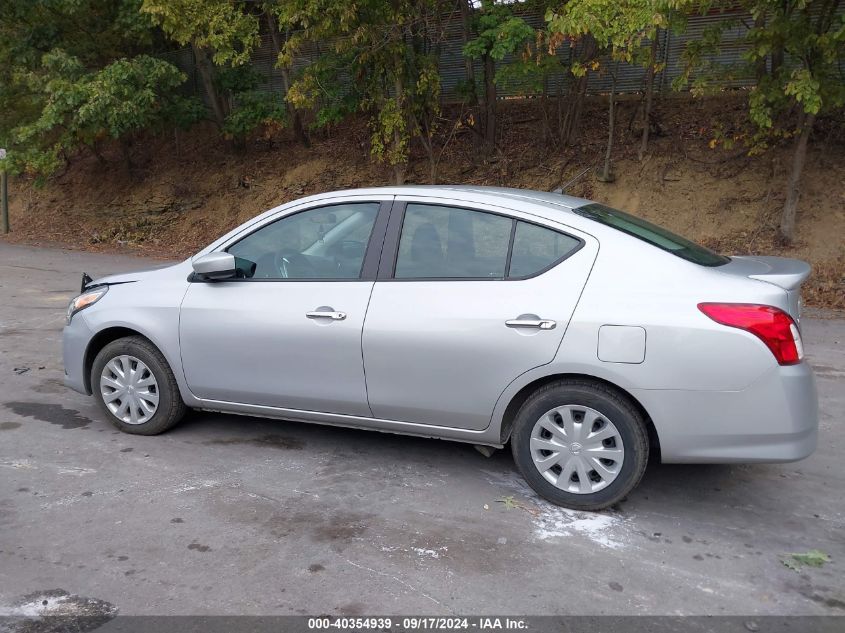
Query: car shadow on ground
663	484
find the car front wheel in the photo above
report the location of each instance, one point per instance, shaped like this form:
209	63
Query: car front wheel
580	444
135	386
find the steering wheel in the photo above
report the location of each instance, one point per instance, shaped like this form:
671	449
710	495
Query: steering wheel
295	264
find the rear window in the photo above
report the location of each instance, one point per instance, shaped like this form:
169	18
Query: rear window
653	234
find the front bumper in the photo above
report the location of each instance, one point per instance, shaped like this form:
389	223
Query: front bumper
75	339
774	420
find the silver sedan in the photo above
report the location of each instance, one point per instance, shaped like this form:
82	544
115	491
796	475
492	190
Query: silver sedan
584	337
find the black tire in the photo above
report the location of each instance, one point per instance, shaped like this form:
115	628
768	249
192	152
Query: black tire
608	402
171	407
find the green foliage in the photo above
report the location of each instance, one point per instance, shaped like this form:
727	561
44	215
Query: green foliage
327	88
801	41
389	139
83	107
383	49
223	26
126	96
234	80
620	28
528	73
524	55
76	72
702	70
813	37
499	32
92	32
255	111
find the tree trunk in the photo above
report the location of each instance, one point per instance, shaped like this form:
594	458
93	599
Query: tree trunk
572	120
428	144
293	113
778	50
793	192
606	175
126	150
398	167
760	66
95	149
469	70
207	76
466	36
489	105
559	95
649	92
544	108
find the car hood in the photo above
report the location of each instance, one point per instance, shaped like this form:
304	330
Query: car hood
123	278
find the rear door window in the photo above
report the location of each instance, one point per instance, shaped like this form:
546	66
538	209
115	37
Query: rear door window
439	242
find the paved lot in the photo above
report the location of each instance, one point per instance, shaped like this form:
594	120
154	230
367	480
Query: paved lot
229	514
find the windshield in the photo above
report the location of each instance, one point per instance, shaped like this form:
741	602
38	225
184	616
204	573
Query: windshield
653	234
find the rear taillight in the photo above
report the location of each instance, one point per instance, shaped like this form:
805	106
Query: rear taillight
771	325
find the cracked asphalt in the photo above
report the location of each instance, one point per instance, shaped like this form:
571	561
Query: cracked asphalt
239	515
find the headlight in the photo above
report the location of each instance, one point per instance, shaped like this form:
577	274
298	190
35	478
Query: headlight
84	300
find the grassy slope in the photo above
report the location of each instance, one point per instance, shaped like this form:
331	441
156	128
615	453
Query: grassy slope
184	194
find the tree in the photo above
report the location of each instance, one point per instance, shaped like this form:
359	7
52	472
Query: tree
293	113
218	31
802	43
498	33
648	93
386	52
95	32
619	29
75	73
533	62
84	107
812	35
252	110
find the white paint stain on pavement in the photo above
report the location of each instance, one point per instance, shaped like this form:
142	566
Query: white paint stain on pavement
429	553
58	602
605	530
551	522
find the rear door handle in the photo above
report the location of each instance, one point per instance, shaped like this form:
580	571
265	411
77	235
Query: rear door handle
320	314
539	324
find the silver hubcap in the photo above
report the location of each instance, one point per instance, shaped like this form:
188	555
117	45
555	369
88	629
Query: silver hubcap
577	449
129	389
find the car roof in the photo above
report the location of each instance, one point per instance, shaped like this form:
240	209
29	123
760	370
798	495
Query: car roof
543	204
493	195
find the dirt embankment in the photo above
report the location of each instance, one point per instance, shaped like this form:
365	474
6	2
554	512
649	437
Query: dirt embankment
187	190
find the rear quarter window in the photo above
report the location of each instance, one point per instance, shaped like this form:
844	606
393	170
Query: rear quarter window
651	233
536	249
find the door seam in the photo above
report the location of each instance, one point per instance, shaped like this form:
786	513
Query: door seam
367	308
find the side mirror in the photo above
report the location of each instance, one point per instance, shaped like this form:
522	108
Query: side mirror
215	266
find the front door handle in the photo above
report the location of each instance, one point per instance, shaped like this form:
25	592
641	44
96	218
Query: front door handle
326	314
539	324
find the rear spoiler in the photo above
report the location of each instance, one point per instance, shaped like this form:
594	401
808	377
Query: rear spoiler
786	273
789	274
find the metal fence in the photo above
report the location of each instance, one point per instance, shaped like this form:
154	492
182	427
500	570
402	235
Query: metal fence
629	78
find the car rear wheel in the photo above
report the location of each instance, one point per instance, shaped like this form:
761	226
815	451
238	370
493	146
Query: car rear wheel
580	444
135	386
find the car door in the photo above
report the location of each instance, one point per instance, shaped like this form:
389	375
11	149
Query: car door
287	332
467	300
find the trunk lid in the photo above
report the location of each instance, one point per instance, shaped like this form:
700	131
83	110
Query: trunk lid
783	272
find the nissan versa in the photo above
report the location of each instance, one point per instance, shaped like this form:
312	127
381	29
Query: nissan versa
585	337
